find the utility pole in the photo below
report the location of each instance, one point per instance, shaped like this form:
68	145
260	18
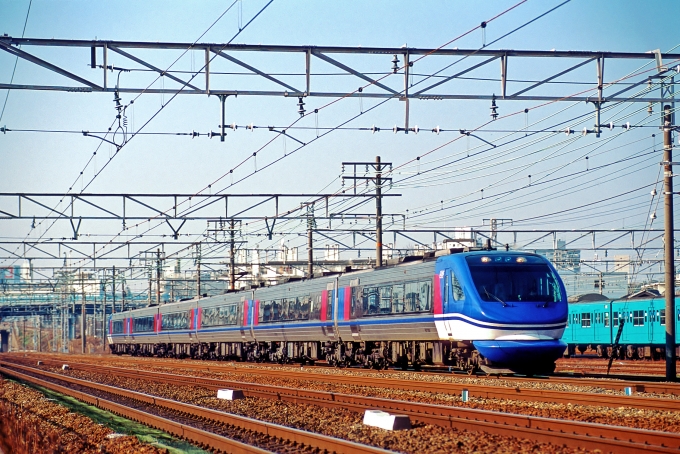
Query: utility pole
37	319
197	261
310	252
158	277
311	224
113	290
669	244
232	261
198	280
378	213
104	324
378	167
82	313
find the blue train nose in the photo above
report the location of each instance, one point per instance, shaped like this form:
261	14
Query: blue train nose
521	353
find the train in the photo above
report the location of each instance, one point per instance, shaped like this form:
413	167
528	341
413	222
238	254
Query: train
472	309
594	325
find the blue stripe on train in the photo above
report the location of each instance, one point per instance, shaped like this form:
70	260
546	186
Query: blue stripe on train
363	322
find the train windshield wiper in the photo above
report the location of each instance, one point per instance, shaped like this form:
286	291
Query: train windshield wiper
491	295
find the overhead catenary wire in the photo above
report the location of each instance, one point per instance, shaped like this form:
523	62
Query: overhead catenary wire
119	148
16	60
332	102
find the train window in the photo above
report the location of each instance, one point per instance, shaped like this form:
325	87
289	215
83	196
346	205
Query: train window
305	307
175	320
385	299
456	288
276	311
616	319
265	312
423	302
220	315
371	303
398	298
597	318
638	318
314	306
142	324
117	327
528	280
585	320
662	316
606	319
355	308
412	297
285	309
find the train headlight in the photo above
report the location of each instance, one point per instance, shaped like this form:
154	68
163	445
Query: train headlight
486	259
521	259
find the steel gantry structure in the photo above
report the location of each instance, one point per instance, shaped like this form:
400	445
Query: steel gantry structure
371	77
303	87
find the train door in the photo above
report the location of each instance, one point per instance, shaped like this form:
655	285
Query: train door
327	310
649	317
250	317
336	305
355	300
254	314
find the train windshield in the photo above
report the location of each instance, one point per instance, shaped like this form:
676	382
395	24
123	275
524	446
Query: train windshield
500	278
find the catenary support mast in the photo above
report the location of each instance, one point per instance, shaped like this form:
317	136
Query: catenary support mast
669	243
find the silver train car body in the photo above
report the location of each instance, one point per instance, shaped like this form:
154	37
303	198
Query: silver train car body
397	315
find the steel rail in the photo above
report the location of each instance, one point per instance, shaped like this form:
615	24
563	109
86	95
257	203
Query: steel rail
192	434
572	433
618	384
484	391
321	442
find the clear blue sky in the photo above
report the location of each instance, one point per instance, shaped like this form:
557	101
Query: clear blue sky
51	162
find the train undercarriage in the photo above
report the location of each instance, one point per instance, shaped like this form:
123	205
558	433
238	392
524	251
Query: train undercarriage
377	355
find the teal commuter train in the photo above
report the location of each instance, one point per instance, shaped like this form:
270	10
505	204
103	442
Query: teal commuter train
641	318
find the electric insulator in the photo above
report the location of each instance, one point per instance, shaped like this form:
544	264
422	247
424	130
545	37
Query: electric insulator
301	107
494	112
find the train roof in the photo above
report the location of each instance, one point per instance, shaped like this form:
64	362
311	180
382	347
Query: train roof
587	298
390	263
646	293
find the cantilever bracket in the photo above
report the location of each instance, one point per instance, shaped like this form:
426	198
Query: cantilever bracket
469	134
271	128
75	228
175	231
270	230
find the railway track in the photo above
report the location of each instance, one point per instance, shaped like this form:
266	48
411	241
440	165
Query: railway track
645	384
202	426
574	434
653	369
490	391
